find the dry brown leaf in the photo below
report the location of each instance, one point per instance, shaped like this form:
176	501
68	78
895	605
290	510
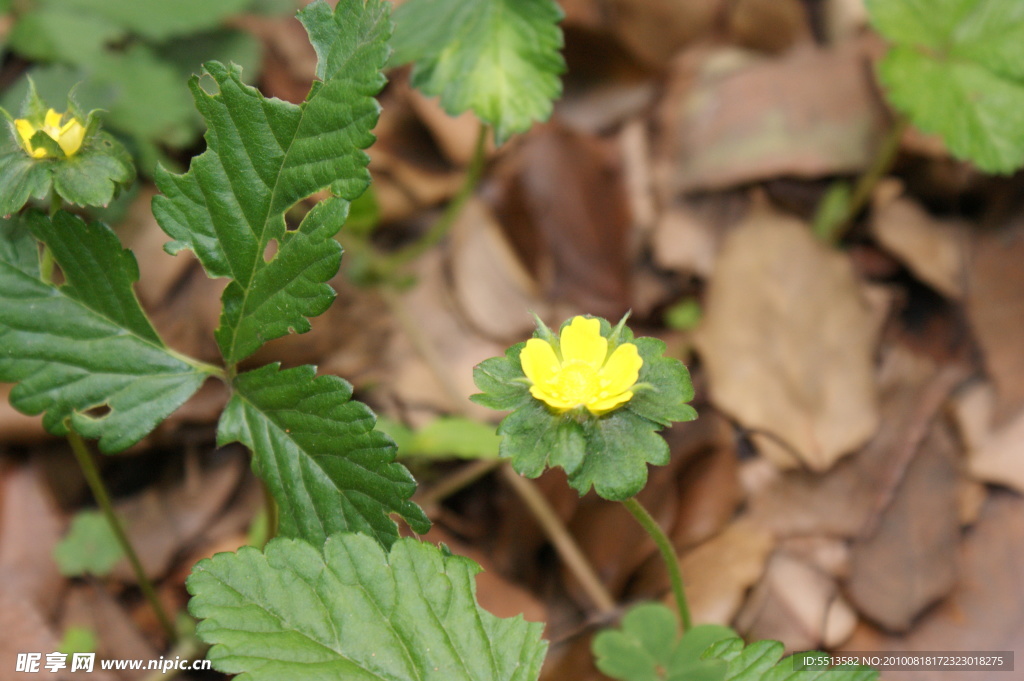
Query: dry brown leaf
789	340
908	562
984	611
30	526
719	572
932	249
996	452
730	120
17	427
655	30
769	25
995	306
455	135
119	637
688	235
561	199
797	604
489	283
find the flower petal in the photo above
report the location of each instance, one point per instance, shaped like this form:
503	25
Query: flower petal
71	136
52	119
603	406
539	361
582	341
622	370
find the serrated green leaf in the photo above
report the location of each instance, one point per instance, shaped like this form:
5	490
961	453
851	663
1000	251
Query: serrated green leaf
498	58
648	647
264	155
762	661
87	344
608	452
355	612
316	449
157	19
89	547
957	68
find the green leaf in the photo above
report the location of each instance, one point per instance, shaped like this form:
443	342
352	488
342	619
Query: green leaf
263	156
354	612
499	58
609	453
89	547
762	661
87	344
53	33
443	438
648	648
157	19
957	69
326	466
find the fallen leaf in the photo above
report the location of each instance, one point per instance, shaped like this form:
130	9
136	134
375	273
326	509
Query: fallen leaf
731	120
984	611
995	306
996	453
789	341
718	573
933	249
655	30
456	136
771	26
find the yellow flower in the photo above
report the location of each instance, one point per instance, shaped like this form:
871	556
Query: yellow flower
585	375
68	136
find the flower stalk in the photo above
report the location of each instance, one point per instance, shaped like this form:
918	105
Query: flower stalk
668	555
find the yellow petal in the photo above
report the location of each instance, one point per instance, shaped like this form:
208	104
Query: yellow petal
539	361
582	341
52	119
598	407
71	136
25	129
622	370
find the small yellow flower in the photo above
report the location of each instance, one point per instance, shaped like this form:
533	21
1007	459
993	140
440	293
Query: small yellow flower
586	375
69	135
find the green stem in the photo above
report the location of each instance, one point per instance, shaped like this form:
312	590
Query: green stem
99	491
439	229
668	554
879	168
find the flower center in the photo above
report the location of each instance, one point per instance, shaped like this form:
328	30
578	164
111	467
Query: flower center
575	383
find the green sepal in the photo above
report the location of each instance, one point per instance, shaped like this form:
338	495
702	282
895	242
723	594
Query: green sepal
957	69
648	647
92	176
351	610
87	344
498	58
319	454
609	452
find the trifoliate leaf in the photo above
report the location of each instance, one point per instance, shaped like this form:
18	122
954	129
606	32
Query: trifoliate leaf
649	648
263	156
762	661
609	452
498	58
957	68
355	612
326	466
85	345
89	547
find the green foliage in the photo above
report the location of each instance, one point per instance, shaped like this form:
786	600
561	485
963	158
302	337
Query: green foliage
326	466
92	176
649	648
684	315
264	155
87	344
354	612
89	547
610	452
444	438
762	661
77	640
498	58
957	68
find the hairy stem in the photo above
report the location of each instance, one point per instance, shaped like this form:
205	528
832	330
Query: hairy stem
668	554
99	491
